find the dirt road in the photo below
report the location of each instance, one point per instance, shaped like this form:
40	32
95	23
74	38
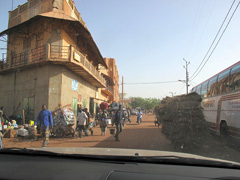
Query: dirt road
134	136
143	136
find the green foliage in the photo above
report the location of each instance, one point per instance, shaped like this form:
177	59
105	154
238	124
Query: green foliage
145	103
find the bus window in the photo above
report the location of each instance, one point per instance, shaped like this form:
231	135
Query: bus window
212	87
204	89
234	79
223	82
194	89
198	89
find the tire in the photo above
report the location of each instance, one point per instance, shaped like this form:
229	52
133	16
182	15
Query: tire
60	133
224	133
73	134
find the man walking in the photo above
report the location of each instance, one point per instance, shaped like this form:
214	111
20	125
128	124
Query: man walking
79	107
46	122
82	121
118	123
89	123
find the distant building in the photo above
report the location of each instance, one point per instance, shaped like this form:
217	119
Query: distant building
113	74
51	59
111	93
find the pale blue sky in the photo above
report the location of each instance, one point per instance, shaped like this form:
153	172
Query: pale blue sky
149	39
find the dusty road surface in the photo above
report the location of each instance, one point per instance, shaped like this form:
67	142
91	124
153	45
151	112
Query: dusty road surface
134	136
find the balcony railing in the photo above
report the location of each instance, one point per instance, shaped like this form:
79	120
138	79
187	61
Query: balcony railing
59	52
24	58
110	89
51	53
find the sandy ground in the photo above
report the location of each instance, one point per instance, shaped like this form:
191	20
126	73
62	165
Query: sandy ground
134	136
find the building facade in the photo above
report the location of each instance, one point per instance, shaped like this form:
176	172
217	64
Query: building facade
51	59
110	94
114	75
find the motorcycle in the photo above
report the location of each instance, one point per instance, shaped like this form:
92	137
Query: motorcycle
139	119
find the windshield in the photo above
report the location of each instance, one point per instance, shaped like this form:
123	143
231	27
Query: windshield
144	75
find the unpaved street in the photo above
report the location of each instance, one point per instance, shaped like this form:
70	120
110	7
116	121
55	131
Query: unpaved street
143	136
134	136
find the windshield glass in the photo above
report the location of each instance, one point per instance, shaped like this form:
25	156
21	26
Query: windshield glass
143	75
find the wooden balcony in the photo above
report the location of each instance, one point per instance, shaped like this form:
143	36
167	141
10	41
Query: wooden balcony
64	55
108	90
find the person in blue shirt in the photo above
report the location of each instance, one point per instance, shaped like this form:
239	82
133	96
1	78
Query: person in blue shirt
46	122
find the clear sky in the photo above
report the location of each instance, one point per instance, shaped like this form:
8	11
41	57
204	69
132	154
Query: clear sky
150	38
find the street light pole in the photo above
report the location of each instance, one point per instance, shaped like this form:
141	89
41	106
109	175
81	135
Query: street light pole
172	93
186	67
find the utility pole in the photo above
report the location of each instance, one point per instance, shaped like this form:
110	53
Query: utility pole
186	67
122	90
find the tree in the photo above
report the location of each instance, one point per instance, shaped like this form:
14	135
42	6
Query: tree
145	103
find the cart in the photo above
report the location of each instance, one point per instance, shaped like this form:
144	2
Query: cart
64	122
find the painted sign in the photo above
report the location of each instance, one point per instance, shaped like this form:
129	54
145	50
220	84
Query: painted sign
74	85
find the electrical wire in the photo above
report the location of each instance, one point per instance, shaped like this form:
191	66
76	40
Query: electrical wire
152	82
195	24
204	30
180	92
217	41
213	40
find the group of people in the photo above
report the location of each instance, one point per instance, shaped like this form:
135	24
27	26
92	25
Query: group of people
83	121
45	120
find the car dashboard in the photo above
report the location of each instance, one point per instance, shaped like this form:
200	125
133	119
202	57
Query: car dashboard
14	166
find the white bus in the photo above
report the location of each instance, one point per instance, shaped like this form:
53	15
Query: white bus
221	101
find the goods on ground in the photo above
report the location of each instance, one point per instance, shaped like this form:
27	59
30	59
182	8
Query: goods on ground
22	132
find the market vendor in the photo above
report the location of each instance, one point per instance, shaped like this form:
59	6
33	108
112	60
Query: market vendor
46	122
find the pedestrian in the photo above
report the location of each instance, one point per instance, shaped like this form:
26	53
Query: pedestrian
128	115
79	107
117	121
89	123
1	128
139	116
103	123
78	110
82	121
46	123
4	119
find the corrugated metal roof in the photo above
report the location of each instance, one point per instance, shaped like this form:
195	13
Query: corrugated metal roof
58	15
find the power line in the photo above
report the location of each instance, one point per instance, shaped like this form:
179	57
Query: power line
214	39
182	89
217	41
153	82
195	24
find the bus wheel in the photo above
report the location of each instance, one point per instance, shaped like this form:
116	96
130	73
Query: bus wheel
224	133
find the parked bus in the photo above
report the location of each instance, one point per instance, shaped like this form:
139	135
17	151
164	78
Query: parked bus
221	102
